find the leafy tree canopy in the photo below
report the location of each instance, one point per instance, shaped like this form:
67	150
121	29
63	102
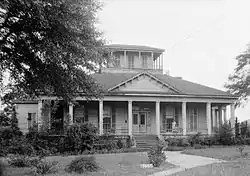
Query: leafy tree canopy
239	82
50	46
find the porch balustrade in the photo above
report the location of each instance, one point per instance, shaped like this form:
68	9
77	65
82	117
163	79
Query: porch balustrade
161	126
168	127
114	128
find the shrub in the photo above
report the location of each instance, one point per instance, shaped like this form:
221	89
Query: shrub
174	148
239	141
195	139
34	161
80	137
156	156
240	149
6	136
42	167
6	133
173	141
18	161
129	142
247	141
120	144
180	142
40	141
83	164
108	143
208	140
224	135
21	146
183	142
129	150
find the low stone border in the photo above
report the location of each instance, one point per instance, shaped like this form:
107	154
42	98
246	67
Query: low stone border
146	166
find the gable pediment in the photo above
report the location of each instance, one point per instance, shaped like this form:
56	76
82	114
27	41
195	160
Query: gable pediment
144	83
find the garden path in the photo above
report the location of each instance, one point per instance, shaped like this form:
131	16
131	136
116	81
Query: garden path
183	162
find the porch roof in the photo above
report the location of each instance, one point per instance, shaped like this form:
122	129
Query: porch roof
184	87
133	48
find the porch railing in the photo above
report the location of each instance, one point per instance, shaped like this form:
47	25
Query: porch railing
168	127
113	128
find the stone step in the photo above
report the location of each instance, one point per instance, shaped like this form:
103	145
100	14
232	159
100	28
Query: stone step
147	137
145	142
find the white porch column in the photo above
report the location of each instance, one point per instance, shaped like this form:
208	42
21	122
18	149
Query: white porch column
39	113
225	114
71	106
139	56
152	56
220	115
217	118
184	118
125	58
208	113
232	116
157	119
49	118
101	117
130	118
213	118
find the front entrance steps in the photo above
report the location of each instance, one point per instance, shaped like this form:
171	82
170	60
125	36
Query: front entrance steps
145	142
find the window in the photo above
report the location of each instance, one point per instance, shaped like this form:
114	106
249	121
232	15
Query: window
172	114
130	61
31	119
168	119
144	62
193	119
79	115
177	115
143	119
135	119
107	120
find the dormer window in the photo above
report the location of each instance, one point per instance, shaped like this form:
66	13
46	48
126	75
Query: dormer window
131	61
144	62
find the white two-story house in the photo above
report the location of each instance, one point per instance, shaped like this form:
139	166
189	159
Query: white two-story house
139	99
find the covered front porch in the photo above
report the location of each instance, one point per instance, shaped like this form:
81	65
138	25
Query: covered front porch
133	117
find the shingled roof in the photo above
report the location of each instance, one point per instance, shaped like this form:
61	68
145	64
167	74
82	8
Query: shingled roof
184	87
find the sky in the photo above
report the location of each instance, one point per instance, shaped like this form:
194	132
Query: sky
201	38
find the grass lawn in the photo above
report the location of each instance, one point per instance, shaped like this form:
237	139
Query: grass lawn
122	164
236	165
225	153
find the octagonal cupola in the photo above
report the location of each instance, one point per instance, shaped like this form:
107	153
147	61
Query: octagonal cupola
134	58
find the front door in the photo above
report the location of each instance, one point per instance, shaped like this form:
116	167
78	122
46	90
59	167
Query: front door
139	122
